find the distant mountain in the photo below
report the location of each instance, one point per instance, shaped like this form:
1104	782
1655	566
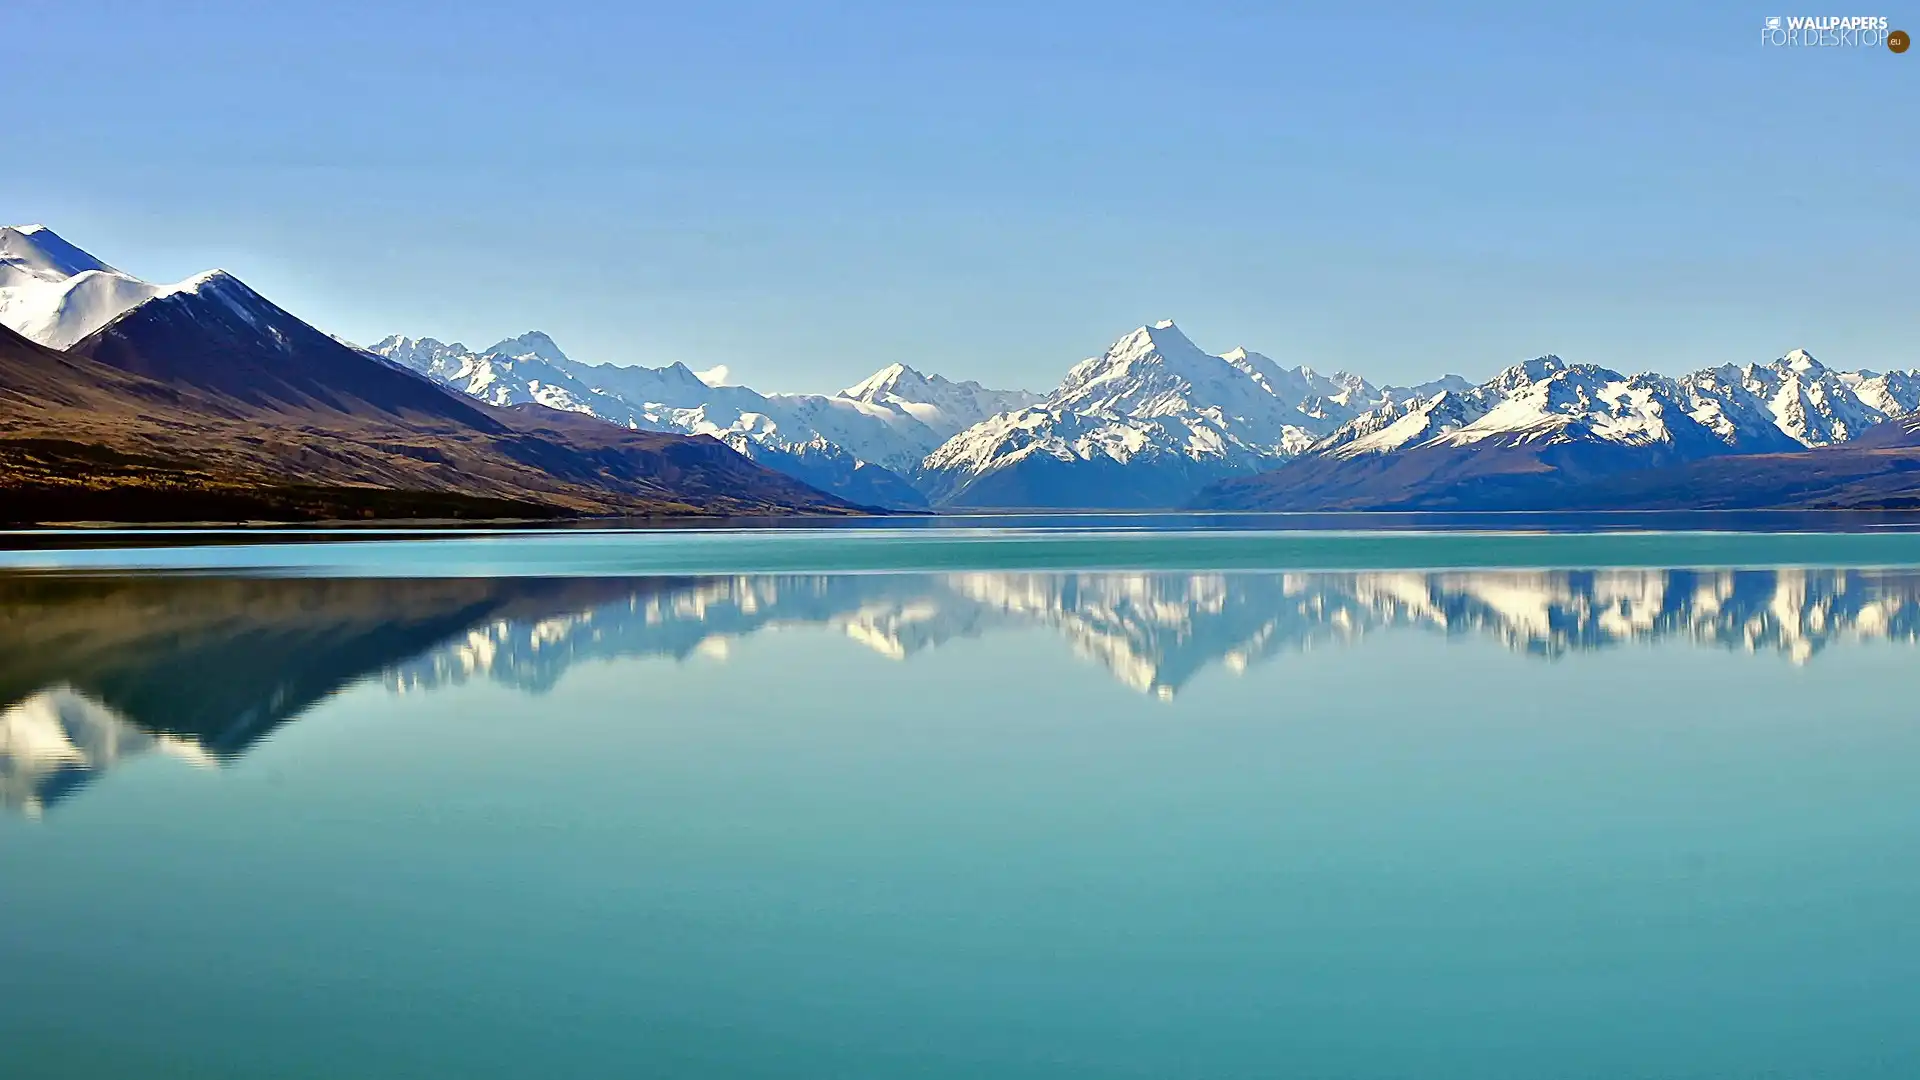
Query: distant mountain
1145	425
1551	435
825	465
856	443
205	401
944	407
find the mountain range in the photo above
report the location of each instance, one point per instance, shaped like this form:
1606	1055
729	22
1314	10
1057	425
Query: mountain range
857	443
124	399
94	672
1550	435
1155	422
203	400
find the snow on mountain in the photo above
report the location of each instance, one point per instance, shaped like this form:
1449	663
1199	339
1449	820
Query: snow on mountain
37	251
853	445
1897	393
892	419
1242	403
1038	457
1405	423
1818	406
1547	400
503	378
56	294
1145	424
1791	403
829	467
943	407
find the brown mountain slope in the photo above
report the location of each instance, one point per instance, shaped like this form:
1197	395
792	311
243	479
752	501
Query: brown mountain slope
221	406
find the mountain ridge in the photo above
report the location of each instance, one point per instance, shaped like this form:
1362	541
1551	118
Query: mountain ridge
1548	435
848	442
1153	422
206	401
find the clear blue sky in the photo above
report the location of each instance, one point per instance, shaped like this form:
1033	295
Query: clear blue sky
993	190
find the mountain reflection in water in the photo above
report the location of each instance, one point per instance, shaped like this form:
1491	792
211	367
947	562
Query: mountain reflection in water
96	671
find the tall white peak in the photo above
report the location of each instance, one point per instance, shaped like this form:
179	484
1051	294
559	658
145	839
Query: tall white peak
412	350
531	368
885	381
1157	371
1801	360
55	293
1818	406
940	405
531	343
1790	402
38	252
1173	415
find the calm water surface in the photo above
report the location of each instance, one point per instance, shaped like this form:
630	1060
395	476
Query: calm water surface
1069	803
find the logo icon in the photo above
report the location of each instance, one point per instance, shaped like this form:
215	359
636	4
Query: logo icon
1773	22
1898	41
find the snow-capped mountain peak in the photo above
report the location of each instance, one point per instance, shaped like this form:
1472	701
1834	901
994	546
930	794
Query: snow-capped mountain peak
1538	370
1147	363
55	293
1791	402
216	283
788	431
1153	414
1818	406
933	403
1157	404
39	252
1802	360
885	381
531	343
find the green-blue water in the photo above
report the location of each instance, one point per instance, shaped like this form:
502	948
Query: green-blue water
1640	806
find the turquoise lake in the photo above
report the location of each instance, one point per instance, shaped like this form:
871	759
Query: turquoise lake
962	802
